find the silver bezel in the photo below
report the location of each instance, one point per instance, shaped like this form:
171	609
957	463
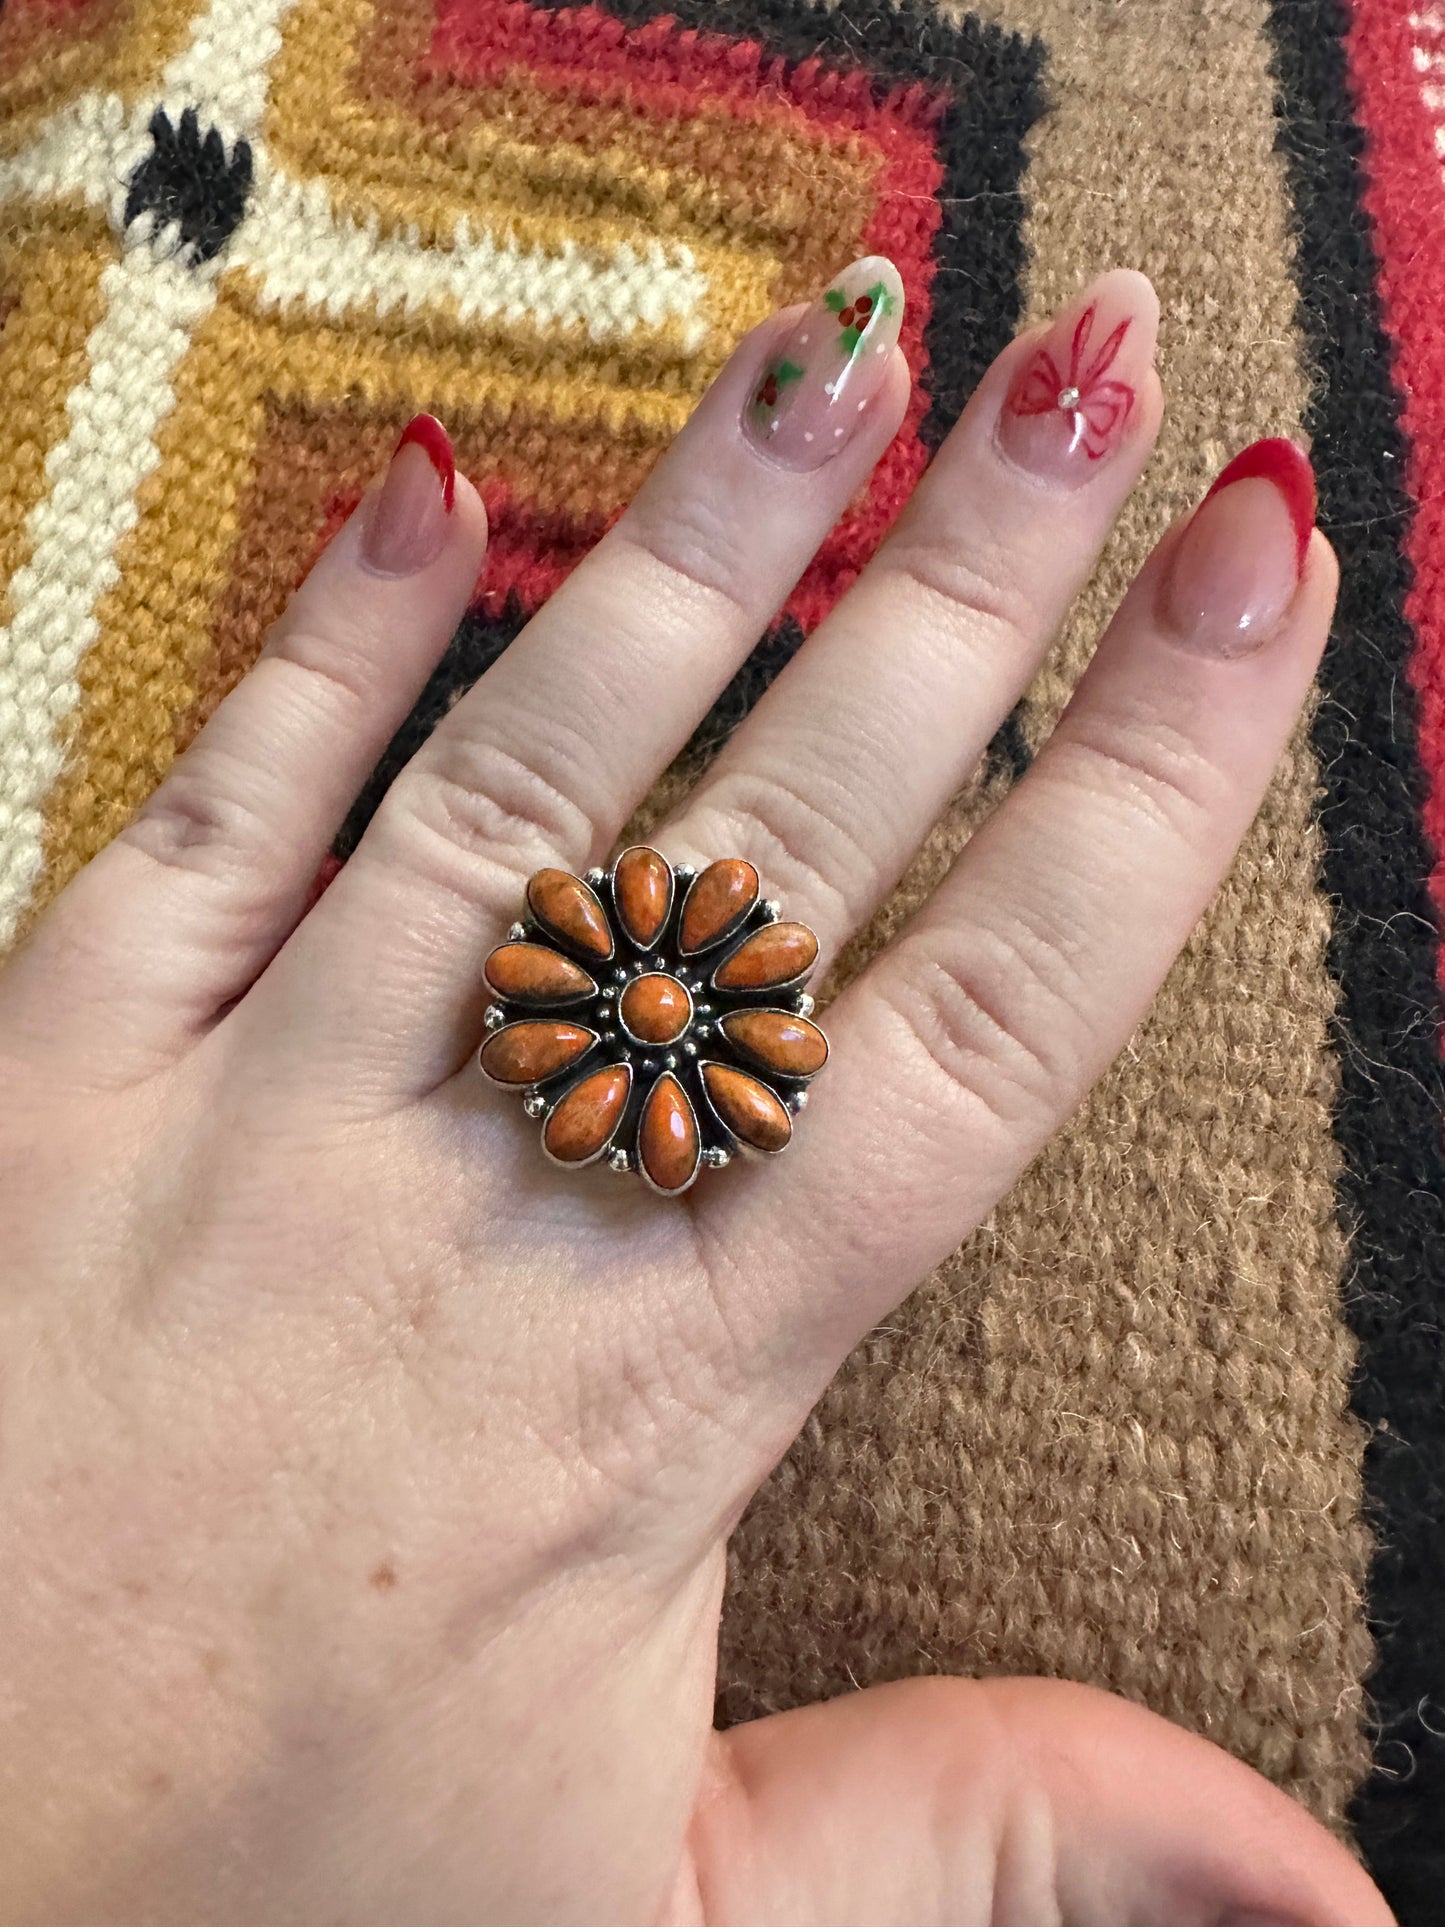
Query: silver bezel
650	1043
740	1145
656	1189
604	1150
527	1090
779	989
730	930
568	946
616	918
751	1064
552	1003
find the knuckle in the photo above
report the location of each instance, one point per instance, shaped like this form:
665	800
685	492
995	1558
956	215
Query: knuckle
196	824
486	801
799	845
973	589
1155	769
991	1016
329	672
697	547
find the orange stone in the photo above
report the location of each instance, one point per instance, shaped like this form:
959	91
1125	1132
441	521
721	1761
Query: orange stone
655	1008
668	1144
642	892
717	903
530	973
527	1052
776	1040
565	906
749	1109
779	953
581	1126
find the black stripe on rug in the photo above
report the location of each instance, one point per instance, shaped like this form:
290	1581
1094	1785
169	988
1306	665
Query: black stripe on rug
1382	953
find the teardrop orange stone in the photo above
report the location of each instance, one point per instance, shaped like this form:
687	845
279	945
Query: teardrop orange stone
530	973
655	1008
779	953
717	903
776	1040
749	1109
565	906
642	892
527	1052
581	1126
667	1137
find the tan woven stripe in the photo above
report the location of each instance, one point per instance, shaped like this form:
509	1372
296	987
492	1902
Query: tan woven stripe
1110	1439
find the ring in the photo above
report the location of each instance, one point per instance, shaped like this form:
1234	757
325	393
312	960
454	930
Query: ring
655	1015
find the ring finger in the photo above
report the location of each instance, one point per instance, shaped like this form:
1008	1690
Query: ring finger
849	759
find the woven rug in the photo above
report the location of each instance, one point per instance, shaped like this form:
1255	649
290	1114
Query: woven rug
1174	1420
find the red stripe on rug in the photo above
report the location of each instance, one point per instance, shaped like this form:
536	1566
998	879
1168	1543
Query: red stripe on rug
1397	70
671	73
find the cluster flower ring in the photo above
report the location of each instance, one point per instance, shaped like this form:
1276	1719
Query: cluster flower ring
654	1015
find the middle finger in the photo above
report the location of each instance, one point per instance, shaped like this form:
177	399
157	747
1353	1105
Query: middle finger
850	758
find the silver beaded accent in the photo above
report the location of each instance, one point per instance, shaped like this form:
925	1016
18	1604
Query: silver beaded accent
618	1160
534	1104
494	1016
596	877
716	1157
772	909
516	933
795	1100
804	1004
684	872
1068	398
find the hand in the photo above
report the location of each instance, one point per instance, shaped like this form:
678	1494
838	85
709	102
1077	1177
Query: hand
365	1479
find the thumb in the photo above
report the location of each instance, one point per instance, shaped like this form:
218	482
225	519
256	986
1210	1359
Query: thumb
1004	1803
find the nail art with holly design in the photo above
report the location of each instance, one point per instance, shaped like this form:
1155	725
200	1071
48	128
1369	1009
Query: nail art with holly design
817	388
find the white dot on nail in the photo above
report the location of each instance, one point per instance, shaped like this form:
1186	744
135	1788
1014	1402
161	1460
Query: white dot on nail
837	434
881	349
807	437
861	406
802	341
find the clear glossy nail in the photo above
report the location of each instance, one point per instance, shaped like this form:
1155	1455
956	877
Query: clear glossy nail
1237	565
406	522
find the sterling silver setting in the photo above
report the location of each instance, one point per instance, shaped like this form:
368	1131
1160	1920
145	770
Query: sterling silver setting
653	1017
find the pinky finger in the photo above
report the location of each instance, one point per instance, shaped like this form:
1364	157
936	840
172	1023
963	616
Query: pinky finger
181	913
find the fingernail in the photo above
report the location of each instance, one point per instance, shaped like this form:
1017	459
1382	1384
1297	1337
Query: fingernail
406	523
1239	561
1070	405
816	391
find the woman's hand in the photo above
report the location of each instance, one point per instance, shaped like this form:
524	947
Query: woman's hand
365	1479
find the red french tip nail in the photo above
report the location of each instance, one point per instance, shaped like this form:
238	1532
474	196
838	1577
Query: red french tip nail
1283	462
427	432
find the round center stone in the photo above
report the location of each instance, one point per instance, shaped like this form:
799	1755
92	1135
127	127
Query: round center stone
655	1009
